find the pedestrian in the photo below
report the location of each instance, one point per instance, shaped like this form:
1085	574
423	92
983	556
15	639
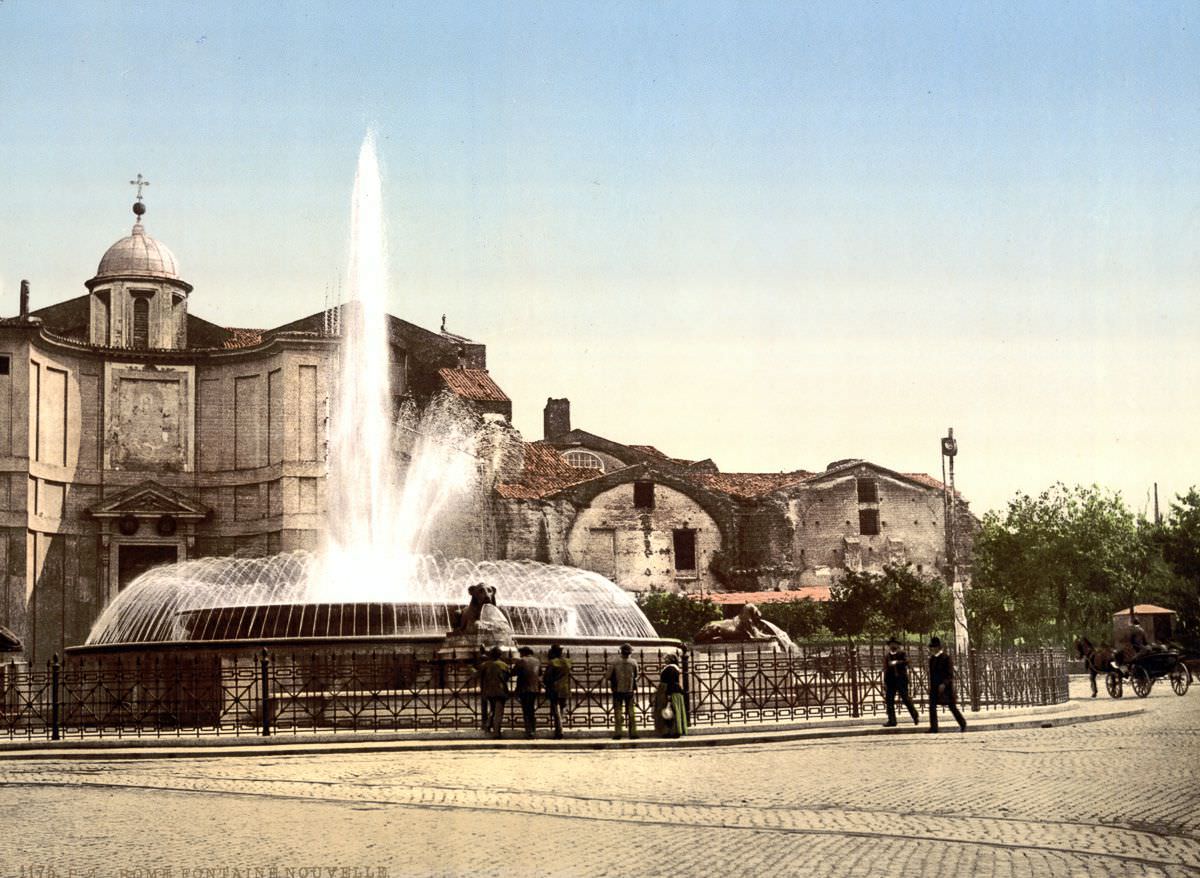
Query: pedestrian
895	682
529	682
622	680
670	708
557	680
941	686
493	686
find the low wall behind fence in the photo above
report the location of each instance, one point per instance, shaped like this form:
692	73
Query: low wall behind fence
209	692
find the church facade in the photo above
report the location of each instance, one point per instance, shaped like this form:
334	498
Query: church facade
134	433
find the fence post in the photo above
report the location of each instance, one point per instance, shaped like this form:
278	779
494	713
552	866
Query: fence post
973	663
852	665
264	681
55	669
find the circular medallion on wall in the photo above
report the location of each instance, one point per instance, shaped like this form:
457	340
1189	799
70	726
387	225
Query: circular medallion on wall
128	525
166	525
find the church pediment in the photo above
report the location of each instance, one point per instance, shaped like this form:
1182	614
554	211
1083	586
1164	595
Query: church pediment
149	499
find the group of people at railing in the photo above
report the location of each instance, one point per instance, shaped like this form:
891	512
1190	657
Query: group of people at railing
527	679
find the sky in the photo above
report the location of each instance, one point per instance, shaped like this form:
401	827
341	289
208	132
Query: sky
774	235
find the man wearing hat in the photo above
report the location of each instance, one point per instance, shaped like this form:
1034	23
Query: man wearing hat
529	683
895	682
941	685
622	680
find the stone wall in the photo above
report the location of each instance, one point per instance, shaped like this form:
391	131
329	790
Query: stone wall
635	547
829	538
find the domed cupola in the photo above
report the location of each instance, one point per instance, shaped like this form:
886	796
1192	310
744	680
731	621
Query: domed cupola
138	255
137	297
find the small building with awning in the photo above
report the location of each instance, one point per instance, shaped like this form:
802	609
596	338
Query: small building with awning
1157	622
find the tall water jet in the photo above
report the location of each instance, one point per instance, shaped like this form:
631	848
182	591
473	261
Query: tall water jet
361	473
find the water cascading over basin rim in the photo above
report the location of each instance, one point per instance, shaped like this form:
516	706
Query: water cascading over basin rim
223	599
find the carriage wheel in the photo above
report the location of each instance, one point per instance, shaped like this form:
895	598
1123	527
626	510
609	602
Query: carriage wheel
1181	678
1113	684
1141	682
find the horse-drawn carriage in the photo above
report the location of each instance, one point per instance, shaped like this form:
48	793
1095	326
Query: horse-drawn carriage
1152	664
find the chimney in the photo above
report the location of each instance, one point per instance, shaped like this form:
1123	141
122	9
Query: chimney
24	300
556	419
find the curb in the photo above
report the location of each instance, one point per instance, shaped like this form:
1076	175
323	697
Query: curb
200	748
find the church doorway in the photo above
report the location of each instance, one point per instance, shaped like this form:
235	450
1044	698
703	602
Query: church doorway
133	560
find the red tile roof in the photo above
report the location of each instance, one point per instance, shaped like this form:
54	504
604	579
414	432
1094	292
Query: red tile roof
928	481
242	338
813	592
544	472
475	384
748	484
650	450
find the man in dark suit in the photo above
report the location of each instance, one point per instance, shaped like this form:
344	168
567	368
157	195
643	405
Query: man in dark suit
895	682
941	685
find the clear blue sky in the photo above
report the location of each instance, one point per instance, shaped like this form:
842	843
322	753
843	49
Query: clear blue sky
773	234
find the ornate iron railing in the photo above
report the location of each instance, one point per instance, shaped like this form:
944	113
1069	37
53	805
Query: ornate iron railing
206	692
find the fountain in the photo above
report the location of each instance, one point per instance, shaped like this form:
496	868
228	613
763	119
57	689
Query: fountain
378	581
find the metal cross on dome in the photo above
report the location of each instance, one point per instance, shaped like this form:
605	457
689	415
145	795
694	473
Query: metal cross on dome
139	183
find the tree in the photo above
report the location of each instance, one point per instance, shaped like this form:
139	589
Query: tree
856	605
1054	566
799	619
893	602
1179	543
912	603
676	615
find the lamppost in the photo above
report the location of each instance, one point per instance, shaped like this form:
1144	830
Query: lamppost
962	642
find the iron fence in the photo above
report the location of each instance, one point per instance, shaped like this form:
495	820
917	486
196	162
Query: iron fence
201	693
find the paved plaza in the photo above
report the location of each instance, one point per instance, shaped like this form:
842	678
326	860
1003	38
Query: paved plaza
1119	797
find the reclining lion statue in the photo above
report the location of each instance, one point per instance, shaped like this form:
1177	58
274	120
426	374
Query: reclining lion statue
749	626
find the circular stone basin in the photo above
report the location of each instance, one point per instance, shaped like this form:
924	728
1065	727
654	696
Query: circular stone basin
373	619
290	596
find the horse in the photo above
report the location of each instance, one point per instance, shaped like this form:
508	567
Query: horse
1096	659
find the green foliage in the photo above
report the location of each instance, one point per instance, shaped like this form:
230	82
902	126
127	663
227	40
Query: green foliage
856	605
799	619
676	615
913	603
1055	566
876	605
1177	585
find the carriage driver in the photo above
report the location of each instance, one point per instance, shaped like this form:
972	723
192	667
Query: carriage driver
1136	642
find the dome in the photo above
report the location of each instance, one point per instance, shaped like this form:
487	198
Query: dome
138	255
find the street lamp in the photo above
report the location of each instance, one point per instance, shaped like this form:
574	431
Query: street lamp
962	642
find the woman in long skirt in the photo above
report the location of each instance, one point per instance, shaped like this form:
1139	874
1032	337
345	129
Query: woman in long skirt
670	710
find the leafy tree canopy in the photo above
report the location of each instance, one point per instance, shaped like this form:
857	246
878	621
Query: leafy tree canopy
1057	565
677	615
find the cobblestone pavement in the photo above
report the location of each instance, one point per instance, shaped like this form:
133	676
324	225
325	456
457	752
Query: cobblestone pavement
1120	797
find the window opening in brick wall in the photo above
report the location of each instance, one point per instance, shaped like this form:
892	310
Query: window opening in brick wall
868	521
643	495
4	366
685	550
141	323
583	460
868	491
